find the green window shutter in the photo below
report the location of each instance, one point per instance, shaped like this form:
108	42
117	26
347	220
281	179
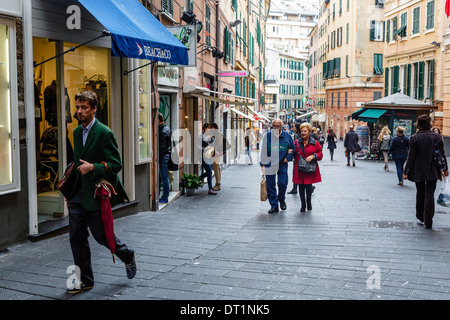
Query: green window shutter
346	65
388	30
394	28
416	20
408	80
430	15
208	25
324	70
372	30
225	44
337	67
421	80
395	79
348	32
431	80
378	64
386	82
405	75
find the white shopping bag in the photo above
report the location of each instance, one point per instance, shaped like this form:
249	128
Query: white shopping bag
444	194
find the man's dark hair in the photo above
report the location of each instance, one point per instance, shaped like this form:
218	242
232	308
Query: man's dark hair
160	117
89	96
215	126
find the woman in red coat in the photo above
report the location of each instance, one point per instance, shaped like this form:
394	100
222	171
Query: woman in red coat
310	149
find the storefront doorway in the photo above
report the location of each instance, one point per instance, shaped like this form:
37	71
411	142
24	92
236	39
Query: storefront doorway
169	109
56	83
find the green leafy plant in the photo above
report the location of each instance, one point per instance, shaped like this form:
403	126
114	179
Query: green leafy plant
191	181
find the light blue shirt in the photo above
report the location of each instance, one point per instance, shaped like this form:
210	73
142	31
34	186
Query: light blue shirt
86	130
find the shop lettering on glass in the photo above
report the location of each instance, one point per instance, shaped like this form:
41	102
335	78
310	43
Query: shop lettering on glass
169	73
74	20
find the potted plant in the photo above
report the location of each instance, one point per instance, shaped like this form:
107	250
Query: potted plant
191	182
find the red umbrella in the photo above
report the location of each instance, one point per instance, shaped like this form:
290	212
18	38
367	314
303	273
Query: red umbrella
105	191
447	8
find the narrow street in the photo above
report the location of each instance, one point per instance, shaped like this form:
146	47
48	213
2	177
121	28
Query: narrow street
361	241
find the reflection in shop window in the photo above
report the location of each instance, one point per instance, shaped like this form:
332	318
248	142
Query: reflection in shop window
8	163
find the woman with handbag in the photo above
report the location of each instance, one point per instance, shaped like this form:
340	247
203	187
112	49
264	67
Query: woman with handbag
306	169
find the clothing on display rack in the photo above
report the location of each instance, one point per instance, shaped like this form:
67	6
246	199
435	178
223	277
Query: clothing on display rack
51	105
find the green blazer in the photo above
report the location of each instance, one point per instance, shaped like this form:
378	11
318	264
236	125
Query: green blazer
101	146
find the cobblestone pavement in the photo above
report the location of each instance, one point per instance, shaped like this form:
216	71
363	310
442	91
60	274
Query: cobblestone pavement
361	241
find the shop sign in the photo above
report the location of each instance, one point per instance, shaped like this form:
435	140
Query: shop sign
234	73
187	35
168	76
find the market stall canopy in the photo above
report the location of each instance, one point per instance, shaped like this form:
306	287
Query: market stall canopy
135	32
399	101
371	115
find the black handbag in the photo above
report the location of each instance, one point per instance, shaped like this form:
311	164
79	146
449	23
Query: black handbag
303	165
306	167
439	159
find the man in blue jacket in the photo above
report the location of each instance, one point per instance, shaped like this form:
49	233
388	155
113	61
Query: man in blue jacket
276	151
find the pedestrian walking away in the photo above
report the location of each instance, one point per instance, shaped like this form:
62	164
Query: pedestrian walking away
220	145
384	141
277	149
249	141
399	151
96	157
164	155
331	142
421	168
204	146
311	150
351	145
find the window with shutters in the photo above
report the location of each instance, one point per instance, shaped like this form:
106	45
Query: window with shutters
378	64
167	6
376	30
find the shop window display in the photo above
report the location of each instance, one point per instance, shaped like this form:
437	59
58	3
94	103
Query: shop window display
87	68
144	127
8	140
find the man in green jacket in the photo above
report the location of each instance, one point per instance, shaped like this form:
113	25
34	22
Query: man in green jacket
96	156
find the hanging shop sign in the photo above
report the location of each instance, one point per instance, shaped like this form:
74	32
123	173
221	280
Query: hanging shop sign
234	73
187	35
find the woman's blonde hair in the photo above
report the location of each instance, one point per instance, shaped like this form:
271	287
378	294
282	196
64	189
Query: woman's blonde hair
384	131
401	129
306	125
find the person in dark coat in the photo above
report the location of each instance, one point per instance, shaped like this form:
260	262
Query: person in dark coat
399	151
276	151
331	137
311	150
351	145
164	155
420	168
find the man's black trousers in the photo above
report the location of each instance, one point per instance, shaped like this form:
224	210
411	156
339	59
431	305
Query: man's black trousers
79	221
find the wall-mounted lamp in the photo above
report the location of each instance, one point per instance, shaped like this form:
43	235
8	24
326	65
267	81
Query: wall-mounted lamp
437	44
235	23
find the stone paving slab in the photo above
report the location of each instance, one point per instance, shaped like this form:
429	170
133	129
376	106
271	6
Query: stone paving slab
361	241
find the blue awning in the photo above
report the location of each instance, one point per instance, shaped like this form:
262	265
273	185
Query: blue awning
135	32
